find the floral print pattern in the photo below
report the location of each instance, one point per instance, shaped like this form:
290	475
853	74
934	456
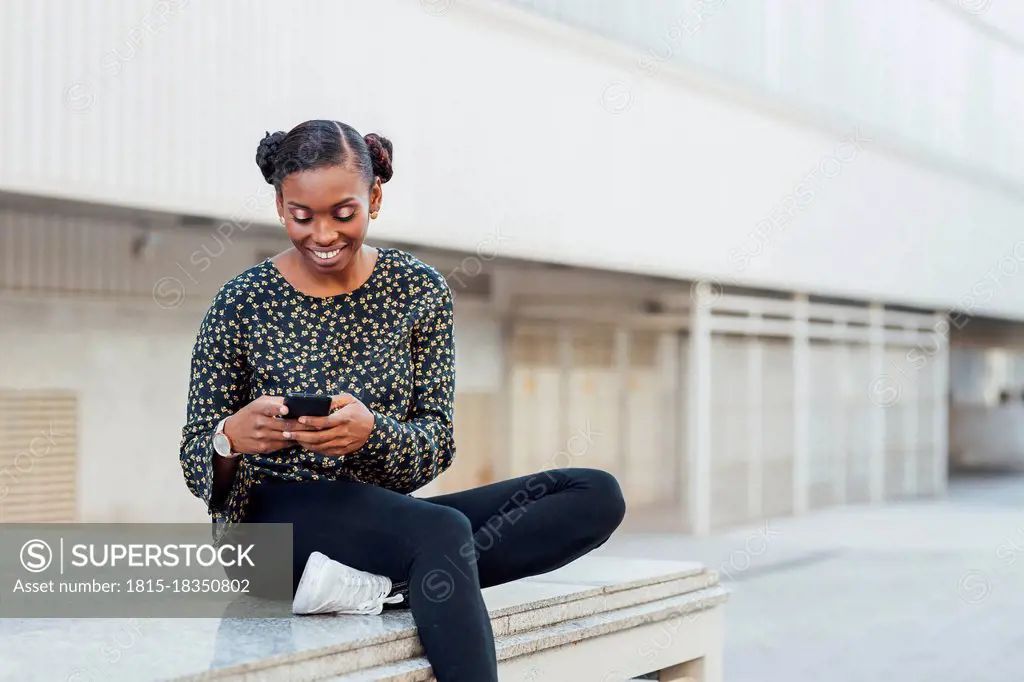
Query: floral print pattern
389	343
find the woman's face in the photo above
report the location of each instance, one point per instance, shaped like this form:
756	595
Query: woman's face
326	212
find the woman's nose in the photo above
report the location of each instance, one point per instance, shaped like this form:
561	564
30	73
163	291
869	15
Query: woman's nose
325	232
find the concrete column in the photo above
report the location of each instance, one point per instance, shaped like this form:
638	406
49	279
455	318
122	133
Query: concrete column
801	406
622	365
876	450
565	363
699	419
501	297
911	405
842	437
670	414
504	405
755	416
940	404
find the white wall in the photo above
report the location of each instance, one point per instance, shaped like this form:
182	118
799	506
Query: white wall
497	126
128	362
925	71
478	352
983	437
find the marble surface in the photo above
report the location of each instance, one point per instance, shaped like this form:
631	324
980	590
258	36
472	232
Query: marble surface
669	611
612	572
590	603
164	649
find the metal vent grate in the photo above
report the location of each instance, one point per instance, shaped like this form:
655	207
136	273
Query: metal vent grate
38	448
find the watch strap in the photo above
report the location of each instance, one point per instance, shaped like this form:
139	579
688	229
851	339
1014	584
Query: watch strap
219	431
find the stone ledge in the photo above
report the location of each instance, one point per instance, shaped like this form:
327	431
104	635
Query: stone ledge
571	599
580	601
563	634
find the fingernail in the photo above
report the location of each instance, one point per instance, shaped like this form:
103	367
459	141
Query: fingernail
302	420
286	434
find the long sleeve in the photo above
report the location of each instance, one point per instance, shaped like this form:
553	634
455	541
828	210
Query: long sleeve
406	454
218	387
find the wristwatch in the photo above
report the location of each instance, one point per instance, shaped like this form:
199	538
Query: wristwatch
221	442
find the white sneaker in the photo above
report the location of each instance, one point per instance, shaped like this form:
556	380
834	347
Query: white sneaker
329	586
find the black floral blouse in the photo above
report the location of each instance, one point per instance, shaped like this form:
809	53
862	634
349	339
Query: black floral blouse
389	343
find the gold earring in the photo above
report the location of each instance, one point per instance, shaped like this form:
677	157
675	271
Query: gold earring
373	215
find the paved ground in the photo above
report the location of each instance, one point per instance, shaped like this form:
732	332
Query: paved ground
925	590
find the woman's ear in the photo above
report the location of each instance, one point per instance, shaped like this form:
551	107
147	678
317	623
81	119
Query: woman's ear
376	195
280	207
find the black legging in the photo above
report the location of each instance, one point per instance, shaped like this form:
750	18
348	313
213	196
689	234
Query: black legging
450	546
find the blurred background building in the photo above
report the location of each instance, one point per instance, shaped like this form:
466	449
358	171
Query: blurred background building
757	259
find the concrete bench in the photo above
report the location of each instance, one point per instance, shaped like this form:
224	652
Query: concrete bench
601	619
598	619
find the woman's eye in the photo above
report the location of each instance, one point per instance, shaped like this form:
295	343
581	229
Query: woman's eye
301	219
345	217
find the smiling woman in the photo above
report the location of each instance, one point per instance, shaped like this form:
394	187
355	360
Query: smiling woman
321	170
373	329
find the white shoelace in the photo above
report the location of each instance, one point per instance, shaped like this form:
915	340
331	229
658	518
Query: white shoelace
329	586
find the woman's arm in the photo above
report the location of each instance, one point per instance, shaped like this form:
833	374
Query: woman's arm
218	388
405	455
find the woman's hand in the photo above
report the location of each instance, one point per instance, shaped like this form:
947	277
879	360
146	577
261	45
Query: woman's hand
256	430
342	432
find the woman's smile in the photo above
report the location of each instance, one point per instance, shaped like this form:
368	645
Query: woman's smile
327	257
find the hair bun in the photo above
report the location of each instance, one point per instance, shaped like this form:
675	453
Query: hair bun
266	153
381	153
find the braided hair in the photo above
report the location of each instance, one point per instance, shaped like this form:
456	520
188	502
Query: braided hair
319	143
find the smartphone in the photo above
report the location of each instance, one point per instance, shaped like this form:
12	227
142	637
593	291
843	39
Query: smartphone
307	405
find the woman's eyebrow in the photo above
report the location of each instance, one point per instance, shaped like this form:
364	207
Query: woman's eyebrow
347	200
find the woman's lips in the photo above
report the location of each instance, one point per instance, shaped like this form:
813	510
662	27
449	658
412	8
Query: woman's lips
327	256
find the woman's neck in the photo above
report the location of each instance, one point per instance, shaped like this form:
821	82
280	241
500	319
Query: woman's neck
303	277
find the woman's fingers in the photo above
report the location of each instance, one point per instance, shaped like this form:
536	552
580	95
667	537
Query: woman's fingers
333	443
329	422
282	425
273	424
272	406
317	423
341	400
311	439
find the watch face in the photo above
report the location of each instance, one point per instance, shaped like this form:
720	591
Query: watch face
222	445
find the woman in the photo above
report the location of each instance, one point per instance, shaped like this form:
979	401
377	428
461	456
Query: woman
371	327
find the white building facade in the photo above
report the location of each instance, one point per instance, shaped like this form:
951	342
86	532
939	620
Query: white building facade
737	297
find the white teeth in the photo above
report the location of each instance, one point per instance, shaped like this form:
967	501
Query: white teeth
326	255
